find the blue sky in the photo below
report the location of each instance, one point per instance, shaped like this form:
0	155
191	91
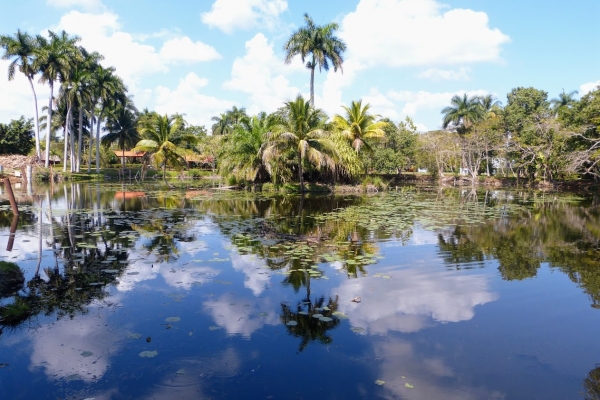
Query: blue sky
404	57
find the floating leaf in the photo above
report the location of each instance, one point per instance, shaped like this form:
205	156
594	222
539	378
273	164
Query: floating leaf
134	336
214	328
86	354
325	319
408	385
292	323
149	354
173	319
379	382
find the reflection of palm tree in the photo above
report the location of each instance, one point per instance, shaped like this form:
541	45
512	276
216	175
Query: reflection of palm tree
591	384
302	322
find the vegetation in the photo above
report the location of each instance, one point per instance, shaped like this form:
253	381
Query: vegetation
17	137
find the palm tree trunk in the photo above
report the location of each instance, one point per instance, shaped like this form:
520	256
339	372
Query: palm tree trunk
72	141
66	139
80	141
300	173
98	141
36	120
312	85
91	137
49	126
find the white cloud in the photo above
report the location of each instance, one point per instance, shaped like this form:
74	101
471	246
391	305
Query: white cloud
418	32
183	50
588	87
86	4
261	75
187	99
436	74
381	104
101	32
20	100
258	278
229	15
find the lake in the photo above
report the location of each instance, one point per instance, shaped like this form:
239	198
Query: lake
136	292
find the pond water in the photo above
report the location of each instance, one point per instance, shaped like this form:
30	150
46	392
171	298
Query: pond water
139	293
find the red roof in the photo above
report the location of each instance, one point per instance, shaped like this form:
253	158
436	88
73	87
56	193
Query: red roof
129	153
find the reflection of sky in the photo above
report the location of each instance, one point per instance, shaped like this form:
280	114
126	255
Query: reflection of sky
431	377
257	276
412	299
239	315
58	347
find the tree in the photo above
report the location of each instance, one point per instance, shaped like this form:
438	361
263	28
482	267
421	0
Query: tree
320	45
563	102
17	137
22	48
121	127
222	125
300	131
52	60
490	107
462	113
163	137
359	125
241	153
525	106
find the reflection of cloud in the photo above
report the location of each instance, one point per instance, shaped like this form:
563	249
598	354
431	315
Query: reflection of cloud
139	271
257	277
428	375
58	348
411	298
241	316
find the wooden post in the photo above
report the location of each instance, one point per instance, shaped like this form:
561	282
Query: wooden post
13	230
11	196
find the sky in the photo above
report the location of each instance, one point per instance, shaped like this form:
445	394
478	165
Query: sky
406	58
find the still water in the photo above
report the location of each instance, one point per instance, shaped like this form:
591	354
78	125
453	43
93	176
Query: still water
137	293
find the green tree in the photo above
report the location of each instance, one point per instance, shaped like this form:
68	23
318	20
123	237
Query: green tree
53	57
300	131
241	153
462	113
22	49
16	137
164	137
525	106
320	45
563	102
358	125
121	127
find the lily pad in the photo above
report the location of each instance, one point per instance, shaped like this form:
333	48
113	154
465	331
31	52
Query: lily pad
214	328
86	354
149	354
173	319
408	385
379	382
135	336
292	323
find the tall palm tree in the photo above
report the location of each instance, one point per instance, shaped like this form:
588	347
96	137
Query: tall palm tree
110	91
121	125
52	60
319	44
563	102
236	115
359	125
300	131
163	137
22	49
462	113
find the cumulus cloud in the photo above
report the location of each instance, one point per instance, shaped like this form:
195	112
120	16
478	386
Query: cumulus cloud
436	74
183	50
588	87
260	74
419	32
228	15
20	101
187	99
258	278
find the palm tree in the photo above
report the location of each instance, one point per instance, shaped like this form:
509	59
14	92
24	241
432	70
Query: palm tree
241	153
300	131
121	125
491	107
52	60
163	137
463	112
359	125
222	125
22	48
110	90
563	102
318	43
236	115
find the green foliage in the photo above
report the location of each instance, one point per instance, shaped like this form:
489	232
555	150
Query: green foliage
524	107
16	137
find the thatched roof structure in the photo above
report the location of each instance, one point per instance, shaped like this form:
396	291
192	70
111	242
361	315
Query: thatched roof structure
17	162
